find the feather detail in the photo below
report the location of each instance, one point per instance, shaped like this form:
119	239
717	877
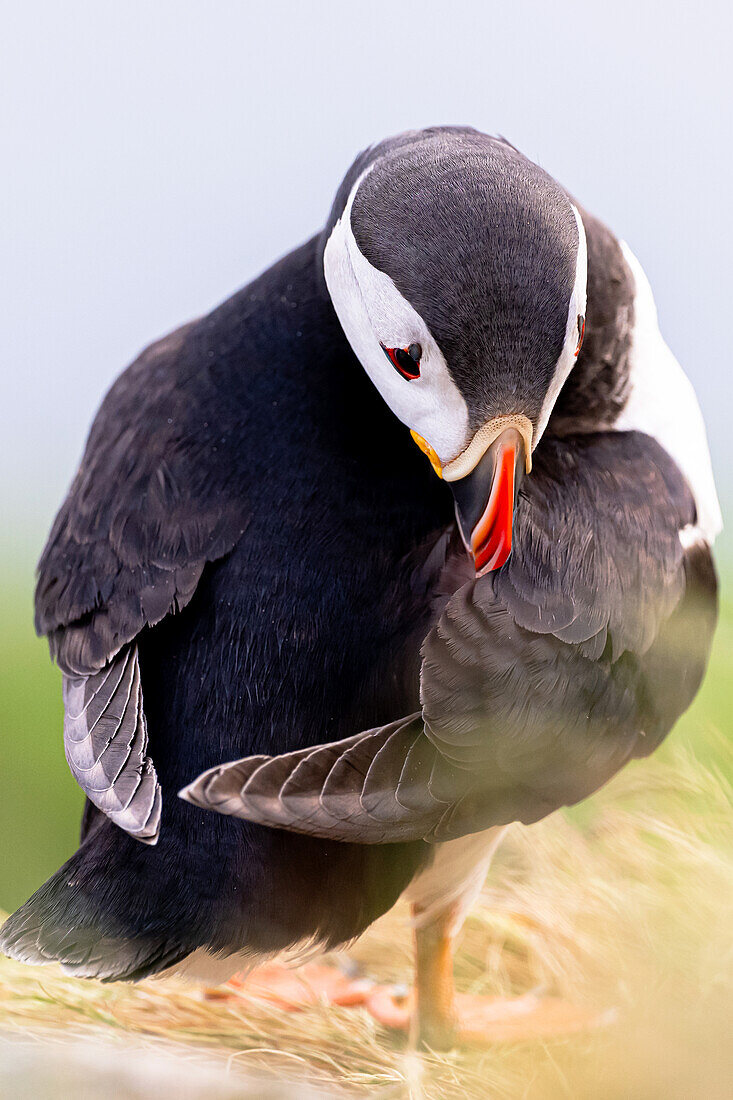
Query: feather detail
538	681
345	790
106	743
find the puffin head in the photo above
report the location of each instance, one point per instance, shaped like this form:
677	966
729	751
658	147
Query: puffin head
457	269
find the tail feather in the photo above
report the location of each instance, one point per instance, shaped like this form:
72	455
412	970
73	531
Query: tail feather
87	929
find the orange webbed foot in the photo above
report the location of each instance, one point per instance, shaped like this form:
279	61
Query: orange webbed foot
483	1020
293	989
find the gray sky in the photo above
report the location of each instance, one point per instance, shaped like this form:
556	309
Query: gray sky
157	155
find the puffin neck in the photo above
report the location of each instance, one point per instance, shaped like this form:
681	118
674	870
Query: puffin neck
596	389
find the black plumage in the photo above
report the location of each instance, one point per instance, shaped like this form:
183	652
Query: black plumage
239	572
243	440
538	682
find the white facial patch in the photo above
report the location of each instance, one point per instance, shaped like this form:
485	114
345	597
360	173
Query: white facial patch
372	312
576	309
663	404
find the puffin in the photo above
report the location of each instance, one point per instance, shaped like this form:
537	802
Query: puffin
408	540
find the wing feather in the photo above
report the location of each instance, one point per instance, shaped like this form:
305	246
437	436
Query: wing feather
106	745
144	516
538	681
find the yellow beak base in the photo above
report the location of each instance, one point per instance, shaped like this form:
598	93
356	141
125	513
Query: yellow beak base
428	450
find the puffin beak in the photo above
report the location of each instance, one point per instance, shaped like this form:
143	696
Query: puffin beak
485	499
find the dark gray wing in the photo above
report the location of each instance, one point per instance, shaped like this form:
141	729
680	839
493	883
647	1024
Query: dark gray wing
157	496
371	788
538	681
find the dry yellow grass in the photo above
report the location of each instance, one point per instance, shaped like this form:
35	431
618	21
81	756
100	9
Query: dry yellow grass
625	905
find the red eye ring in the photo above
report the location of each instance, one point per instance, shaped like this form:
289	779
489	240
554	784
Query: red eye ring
406	361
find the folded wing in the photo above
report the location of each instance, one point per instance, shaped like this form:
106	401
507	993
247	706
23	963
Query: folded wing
149	507
538	682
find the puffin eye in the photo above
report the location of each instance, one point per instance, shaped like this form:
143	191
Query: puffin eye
405	360
581	334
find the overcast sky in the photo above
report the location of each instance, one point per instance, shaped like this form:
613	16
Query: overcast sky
156	155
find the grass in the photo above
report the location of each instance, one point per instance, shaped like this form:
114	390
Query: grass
625	903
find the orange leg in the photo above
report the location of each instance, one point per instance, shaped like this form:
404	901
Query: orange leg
434	1020
430	1011
437	1017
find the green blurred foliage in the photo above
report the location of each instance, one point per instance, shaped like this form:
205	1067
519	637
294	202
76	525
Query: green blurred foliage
40	805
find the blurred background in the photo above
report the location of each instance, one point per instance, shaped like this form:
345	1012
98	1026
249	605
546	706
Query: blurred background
156	156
